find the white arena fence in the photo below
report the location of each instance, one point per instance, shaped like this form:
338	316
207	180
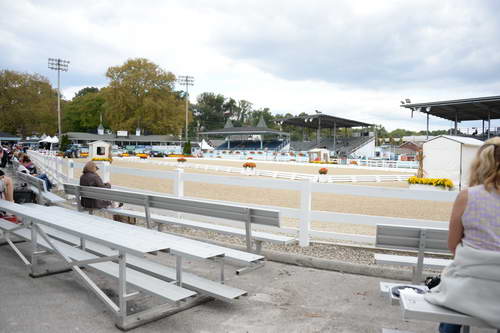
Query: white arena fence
53	166
303	158
273	174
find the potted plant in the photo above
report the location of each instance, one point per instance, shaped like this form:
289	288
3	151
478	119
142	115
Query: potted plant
322	175
249	168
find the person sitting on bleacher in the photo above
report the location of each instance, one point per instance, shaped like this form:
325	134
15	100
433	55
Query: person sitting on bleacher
471	283
6	187
26	166
91	178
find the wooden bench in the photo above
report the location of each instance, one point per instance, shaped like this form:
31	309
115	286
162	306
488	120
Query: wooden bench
39	187
414	306
232	212
103	242
421	240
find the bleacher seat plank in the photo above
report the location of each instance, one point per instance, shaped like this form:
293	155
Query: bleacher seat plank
137	279
236	255
176	245
189	280
389	259
414	306
261	236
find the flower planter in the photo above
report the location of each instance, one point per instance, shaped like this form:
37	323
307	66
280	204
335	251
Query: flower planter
322	178
423	187
249	171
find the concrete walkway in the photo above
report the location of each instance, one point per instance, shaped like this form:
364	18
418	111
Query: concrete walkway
281	298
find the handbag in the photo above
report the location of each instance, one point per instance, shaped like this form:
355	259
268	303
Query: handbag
24	195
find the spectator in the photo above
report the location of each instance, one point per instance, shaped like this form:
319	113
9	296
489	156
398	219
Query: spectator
471	283
91	178
26	166
3	157
6	187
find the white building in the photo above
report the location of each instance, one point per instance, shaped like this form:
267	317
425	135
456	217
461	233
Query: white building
450	157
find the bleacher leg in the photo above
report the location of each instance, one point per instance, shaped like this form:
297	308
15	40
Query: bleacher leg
122	285
178	270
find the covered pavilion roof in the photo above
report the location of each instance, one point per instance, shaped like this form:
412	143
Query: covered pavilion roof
469	109
323	121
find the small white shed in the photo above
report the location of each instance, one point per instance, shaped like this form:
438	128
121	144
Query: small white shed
319	155
450	157
99	149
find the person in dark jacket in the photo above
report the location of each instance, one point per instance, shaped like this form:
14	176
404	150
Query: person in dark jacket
91	178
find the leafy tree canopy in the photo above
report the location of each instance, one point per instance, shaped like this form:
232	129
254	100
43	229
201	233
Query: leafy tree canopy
27	104
140	94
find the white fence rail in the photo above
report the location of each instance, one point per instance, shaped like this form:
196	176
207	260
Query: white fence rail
274	174
304	213
303	158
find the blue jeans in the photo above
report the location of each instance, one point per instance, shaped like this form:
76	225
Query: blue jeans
44	177
449	328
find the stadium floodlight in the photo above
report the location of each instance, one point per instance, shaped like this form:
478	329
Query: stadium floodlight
58	65
186	81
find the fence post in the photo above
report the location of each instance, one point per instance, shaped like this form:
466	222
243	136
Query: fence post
178	185
106	177
59	173
70	169
305	212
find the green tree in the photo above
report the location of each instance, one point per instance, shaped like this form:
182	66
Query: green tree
27	104
64	143
211	111
84	112
141	94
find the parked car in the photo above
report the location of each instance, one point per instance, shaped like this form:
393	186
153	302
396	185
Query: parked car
155	153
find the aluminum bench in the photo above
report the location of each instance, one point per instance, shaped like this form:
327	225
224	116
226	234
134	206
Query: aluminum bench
39	187
190	247
233	212
414	306
422	240
125	240
257	236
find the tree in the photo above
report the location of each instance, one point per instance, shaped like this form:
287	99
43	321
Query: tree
27	104
141	94
211	110
84	112
64	143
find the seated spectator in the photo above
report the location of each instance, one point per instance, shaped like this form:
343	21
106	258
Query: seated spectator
6	187
91	178
471	283
26	166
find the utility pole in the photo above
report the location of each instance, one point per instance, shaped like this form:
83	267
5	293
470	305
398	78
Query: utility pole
58	65
186	81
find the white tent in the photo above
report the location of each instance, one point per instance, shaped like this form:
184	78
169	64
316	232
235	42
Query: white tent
205	146
450	157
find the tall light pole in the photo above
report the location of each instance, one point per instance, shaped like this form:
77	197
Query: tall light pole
186	81
58	65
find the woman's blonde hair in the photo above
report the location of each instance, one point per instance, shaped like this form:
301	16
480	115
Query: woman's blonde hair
90	166
485	168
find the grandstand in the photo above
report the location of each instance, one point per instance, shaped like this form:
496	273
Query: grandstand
263	138
342	145
259	137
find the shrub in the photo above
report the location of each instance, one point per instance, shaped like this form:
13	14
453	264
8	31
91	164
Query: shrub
181	160
250	165
443	182
353	163
187	148
323	171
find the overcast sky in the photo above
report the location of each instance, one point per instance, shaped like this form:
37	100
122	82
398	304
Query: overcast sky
352	59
